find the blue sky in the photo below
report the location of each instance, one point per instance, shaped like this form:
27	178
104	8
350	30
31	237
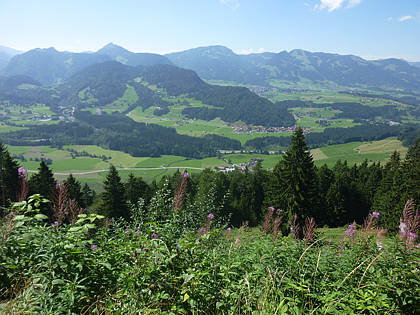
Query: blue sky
368	28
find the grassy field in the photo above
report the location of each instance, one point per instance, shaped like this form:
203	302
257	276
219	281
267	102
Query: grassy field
24	116
194	127
357	152
93	169
325	96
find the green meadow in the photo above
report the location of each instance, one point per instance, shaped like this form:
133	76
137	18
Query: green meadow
93	169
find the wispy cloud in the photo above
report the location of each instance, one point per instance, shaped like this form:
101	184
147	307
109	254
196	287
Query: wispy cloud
234	4
353	3
332	5
406	18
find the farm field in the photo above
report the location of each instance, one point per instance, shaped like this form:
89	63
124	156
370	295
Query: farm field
324	96
90	163
25	115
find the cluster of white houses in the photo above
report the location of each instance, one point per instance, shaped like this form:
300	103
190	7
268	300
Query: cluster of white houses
262	129
241	167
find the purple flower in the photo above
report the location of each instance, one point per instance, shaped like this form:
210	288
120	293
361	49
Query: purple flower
271	208
146	249
126	230
154	236
229	229
412	236
202	230
351	229
55	223
210	216
138	233
22	172
375	214
186	175
94	246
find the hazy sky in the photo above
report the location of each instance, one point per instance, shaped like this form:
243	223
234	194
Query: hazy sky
368	28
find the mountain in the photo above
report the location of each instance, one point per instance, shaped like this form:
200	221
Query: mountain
129	58
50	66
6	54
103	84
415	64
297	66
219	63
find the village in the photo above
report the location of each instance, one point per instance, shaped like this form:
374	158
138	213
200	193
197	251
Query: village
241	166
262	129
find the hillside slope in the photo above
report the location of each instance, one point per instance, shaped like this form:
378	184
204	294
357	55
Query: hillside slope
220	63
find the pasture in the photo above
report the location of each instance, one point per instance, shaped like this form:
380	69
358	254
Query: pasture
90	163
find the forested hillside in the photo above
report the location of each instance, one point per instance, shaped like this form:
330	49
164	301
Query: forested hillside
104	83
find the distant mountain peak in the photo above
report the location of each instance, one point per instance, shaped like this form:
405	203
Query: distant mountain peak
9	51
113	50
127	57
215	50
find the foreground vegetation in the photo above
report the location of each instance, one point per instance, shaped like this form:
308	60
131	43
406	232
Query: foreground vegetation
92	266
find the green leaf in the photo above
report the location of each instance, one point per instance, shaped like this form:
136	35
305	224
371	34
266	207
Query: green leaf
186	297
40	217
20	223
75	228
57	281
19	217
107	265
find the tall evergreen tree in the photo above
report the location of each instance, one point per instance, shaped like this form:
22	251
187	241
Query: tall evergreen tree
298	180
114	198
392	194
136	188
42	182
411	168
87	196
74	189
9	177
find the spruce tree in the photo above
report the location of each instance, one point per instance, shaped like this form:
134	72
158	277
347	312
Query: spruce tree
87	196
298	180
9	177
74	189
136	188
411	168
42	182
391	196
114	198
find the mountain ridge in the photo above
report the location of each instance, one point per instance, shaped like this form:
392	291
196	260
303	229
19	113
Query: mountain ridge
294	68
297	65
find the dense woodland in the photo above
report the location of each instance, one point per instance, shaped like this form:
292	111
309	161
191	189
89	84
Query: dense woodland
332	196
